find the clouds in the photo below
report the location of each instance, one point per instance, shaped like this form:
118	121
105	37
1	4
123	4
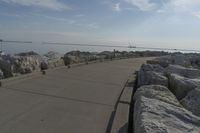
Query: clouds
143	5
150	5
196	14
46	4
191	7
54	18
185	4
153	5
74	22
117	7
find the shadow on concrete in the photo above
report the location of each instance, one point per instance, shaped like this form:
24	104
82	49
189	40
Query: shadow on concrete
123	129
110	123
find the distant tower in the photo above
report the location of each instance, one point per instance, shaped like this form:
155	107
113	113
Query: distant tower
114	53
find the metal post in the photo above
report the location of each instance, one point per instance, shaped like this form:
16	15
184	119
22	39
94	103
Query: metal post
1	41
114	52
87	60
43	72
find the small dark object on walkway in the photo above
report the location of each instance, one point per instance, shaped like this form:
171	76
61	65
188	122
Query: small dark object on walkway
44	72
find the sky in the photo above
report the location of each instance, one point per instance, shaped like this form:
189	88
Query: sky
146	23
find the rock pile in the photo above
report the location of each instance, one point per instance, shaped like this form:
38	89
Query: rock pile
168	96
151	74
28	62
158	111
52	60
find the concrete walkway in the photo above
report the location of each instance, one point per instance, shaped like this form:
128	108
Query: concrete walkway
76	100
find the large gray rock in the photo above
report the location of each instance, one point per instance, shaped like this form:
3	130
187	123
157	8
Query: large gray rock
151	74
151	78
162	61
178	59
180	85
192	101
53	55
182	60
6	68
152	67
52	60
195	61
183	71
26	63
156	110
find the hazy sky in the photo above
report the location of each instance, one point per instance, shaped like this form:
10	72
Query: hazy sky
151	23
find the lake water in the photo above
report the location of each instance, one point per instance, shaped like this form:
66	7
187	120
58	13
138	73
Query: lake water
13	48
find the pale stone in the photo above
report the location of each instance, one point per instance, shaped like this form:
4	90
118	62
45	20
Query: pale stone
151	77
156	110
192	101
183	71
180	85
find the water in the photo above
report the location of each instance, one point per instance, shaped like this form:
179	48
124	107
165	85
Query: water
13	48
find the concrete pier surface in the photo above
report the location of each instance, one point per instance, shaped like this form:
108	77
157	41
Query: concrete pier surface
76	100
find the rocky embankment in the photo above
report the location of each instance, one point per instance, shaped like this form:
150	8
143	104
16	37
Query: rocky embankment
28	62
167	99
